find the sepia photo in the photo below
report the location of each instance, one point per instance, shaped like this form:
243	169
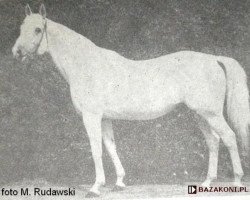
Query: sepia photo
113	99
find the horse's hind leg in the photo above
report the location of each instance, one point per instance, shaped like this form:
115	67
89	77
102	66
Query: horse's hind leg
220	126
109	142
212	140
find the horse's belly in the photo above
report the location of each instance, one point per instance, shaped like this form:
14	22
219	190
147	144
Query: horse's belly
141	107
138	114
143	101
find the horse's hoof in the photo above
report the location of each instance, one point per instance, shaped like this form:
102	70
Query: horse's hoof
91	195
117	188
206	183
238	184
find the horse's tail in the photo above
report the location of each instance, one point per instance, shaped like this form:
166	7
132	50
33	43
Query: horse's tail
237	100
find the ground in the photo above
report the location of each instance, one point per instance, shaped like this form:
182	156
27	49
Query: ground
41	135
131	192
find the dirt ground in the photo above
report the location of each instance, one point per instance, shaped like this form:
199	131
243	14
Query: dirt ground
131	192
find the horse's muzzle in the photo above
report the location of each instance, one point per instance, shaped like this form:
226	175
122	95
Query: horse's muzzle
18	54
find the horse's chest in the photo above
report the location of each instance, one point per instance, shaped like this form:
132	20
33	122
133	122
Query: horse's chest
84	99
76	100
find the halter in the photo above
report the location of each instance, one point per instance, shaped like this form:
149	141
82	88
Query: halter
46	34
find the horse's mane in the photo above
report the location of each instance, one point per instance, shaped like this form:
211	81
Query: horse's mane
69	32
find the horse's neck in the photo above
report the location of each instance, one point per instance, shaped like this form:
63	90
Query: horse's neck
69	50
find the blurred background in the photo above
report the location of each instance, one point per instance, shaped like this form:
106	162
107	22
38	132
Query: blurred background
43	138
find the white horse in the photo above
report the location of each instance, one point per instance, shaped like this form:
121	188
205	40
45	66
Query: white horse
105	85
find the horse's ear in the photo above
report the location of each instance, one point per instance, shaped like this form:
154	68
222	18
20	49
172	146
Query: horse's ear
28	10
42	11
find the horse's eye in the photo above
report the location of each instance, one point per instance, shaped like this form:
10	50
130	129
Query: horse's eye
38	30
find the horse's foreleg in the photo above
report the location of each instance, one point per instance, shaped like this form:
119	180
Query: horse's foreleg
109	142
92	124
212	140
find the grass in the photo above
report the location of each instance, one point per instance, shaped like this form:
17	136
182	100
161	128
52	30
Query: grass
41	136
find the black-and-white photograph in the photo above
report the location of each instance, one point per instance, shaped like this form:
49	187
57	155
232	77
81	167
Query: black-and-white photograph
124	99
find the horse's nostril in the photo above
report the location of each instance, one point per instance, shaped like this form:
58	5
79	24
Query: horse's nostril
19	52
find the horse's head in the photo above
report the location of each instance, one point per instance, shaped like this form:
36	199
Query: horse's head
33	34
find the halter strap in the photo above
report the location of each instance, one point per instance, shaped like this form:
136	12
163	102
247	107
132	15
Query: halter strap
46	35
